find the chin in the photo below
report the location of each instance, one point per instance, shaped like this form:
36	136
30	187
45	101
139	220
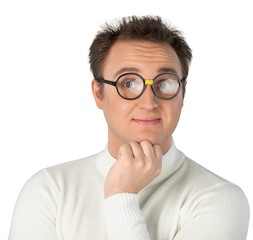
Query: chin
149	139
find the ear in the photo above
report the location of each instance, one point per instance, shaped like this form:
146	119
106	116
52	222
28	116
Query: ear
97	93
184	90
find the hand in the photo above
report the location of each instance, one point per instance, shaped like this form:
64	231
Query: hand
137	165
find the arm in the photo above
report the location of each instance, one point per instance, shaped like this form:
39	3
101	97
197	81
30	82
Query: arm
218	212
137	165
221	214
35	210
124	218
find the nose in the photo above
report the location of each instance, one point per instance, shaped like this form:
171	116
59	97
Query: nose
148	99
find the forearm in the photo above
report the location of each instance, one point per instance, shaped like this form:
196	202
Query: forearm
124	219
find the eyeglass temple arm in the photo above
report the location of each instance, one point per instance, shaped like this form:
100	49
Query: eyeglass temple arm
107	81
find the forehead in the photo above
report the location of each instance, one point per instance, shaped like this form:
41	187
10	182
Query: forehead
141	56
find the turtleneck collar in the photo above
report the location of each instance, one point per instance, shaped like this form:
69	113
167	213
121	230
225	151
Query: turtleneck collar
171	161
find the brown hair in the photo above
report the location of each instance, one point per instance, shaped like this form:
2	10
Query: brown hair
151	28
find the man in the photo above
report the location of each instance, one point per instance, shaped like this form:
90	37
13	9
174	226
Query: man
139	187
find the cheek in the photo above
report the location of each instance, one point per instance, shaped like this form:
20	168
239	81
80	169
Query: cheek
115	110
177	103
177	110
173	110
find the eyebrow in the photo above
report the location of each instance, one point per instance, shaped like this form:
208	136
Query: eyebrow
168	70
124	70
136	70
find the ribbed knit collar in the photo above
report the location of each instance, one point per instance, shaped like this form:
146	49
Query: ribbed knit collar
171	162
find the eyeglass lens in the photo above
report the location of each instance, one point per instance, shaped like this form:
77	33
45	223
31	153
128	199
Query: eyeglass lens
131	86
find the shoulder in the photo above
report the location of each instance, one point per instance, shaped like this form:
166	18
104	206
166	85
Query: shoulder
54	178
72	168
209	201
208	188
200	176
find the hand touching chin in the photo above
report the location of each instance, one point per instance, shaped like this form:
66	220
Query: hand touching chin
137	165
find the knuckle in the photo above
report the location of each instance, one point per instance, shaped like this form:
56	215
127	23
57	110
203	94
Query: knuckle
150	167
150	164
126	163
125	146
144	143
139	164
133	143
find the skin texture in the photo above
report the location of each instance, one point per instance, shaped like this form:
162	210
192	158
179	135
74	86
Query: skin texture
139	131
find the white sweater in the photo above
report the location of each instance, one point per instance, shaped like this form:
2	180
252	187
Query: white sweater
185	202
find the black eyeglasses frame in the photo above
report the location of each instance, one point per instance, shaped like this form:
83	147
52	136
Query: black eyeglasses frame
114	83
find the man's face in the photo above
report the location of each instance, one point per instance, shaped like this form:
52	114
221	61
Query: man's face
148	117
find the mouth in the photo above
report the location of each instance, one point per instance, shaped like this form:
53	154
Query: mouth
147	121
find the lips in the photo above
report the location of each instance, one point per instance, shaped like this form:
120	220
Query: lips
147	121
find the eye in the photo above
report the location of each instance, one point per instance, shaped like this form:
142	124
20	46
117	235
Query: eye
164	85
167	86
135	86
129	81
129	84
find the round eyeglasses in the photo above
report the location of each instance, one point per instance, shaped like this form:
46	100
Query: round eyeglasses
131	86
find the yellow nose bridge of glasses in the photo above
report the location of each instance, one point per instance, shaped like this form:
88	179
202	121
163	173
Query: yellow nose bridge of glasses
149	82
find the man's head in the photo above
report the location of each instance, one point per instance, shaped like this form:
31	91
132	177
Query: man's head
148	28
139	48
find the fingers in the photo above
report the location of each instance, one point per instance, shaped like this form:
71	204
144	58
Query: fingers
157	151
138	164
152	152
140	150
125	152
143	155
137	150
153	157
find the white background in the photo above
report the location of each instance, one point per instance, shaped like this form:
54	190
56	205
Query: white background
47	113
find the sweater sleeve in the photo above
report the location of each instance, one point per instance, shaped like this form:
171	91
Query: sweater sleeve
35	210
220	213
124	219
